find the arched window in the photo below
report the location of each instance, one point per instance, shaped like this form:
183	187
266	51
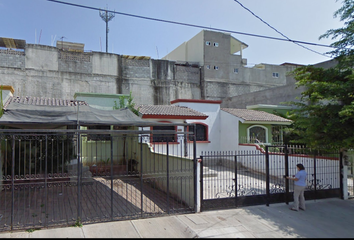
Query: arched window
201	132
257	134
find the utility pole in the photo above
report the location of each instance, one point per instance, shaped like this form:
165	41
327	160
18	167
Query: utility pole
106	16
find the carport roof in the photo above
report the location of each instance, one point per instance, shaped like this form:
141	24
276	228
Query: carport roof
32	112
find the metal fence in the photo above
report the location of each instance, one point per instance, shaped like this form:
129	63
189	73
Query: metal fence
68	177
241	178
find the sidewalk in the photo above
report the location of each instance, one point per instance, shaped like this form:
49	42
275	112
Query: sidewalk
327	218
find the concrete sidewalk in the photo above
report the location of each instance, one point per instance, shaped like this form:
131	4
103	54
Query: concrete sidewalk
328	218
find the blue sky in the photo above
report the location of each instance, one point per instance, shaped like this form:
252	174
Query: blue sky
41	21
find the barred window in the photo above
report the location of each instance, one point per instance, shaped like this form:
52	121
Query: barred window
201	132
163	137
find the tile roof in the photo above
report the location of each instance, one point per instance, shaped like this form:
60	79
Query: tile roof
169	110
43	101
255	115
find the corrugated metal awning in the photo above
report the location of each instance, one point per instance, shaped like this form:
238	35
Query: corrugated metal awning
12	43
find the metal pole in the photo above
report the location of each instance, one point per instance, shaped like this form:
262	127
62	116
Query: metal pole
286	174
46	180
235	180
267	176
111	178
195	169
106	31
13	183
141	175
341	174
168	180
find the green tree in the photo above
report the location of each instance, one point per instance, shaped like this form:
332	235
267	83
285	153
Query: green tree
129	104
325	113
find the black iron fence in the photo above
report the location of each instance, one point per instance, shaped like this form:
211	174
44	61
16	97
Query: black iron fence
241	178
67	177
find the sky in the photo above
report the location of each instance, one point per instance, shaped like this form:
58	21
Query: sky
45	22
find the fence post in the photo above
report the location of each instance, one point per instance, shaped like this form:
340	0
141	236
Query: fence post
235	180
195	164
46	180
78	179
314	174
267	176
201	183
141	176
286	174
341	174
112	177
168	179
13	183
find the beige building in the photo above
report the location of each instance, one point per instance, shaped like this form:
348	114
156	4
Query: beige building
224	70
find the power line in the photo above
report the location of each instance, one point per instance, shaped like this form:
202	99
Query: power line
193	25
279	31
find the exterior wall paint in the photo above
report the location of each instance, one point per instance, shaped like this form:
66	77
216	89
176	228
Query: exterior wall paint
213	122
229	130
100	101
244	126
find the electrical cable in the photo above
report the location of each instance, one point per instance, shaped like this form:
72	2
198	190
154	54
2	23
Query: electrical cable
279	31
193	25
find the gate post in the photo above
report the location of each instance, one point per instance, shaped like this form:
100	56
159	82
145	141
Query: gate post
168	178
112	177
267	176
342	176
286	165
235	179
201	183
13	183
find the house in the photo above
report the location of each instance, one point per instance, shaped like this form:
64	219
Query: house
217	129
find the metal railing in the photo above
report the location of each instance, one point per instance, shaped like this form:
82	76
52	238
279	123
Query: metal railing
65	177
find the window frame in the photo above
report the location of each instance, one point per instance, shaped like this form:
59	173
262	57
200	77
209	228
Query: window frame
253	126
175	139
206	133
275	75
216	44
208	43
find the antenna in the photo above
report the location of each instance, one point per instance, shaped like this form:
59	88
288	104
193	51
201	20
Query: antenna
40	34
100	44
157	51
53	39
106	16
62	46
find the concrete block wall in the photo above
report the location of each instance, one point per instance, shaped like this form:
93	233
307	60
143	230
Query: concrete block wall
45	71
75	62
12	58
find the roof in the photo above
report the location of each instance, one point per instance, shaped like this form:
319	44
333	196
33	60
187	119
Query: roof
169	112
33	112
196	101
12	43
256	116
42	101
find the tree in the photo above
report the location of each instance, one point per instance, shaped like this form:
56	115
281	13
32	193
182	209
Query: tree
129	104
325	113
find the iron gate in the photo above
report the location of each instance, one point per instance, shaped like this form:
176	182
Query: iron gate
66	177
243	178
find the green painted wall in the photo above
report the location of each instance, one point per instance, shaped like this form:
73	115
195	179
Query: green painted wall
243	131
